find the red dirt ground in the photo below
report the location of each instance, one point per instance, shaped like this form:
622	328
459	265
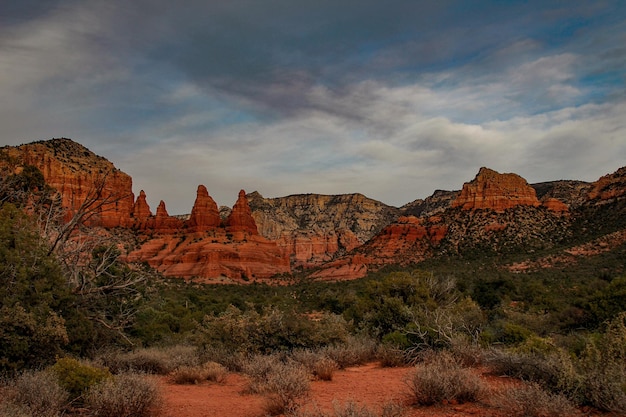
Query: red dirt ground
368	385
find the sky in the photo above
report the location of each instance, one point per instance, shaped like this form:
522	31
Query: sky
393	99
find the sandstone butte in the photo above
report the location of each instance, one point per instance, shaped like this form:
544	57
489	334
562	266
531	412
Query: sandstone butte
411	239
495	191
202	249
80	176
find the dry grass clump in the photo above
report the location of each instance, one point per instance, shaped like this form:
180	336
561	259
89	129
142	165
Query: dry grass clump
441	377
34	394
126	395
354	351
391	357
233	361
210	371
318	364
159	361
352	409
531	400
283	383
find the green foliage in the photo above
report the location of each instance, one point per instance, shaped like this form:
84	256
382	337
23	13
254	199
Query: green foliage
27	339
269	331
77	377
609	301
32	295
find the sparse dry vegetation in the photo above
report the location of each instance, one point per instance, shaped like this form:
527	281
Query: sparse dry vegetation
34	394
441	377
531	400
126	395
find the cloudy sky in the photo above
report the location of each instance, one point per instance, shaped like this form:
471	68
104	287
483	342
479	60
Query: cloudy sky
393	99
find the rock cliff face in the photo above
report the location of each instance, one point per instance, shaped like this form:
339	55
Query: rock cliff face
495	191
437	203
333	237
314	228
609	187
81	177
203	250
407	240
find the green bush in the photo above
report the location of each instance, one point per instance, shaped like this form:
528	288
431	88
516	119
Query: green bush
77	377
161	360
33	292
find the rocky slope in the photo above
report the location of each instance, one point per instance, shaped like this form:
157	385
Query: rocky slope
312	229
332	237
80	176
492	213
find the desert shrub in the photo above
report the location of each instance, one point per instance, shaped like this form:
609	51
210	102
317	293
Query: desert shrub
77	377
324	369
555	372
356	350
232	361
153	360
531	400
390	356
34	394
210	371
352	409
215	372
318	364
440	378
603	368
268	331
283	383
9	409
126	395
467	352
33	292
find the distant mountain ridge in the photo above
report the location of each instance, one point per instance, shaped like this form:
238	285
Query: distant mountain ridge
328	236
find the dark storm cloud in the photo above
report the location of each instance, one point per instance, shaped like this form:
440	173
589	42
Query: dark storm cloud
319	96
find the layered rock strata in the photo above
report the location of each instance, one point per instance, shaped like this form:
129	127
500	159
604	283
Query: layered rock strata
495	191
203	249
84	180
313	229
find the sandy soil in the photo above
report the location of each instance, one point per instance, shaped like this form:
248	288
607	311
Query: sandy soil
368	385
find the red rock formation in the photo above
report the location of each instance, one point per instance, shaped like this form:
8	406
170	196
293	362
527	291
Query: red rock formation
165	223
311	249
82	178
208	252
555	205
495	191
204	215
240	218
408	240
141	210
213	257
609	186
